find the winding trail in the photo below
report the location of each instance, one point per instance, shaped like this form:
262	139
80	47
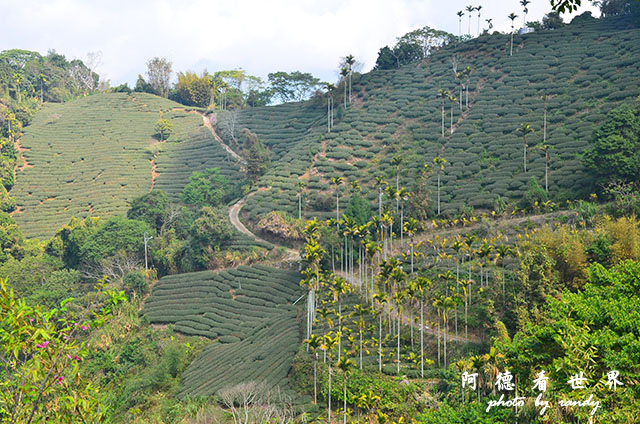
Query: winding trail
209	124
234	210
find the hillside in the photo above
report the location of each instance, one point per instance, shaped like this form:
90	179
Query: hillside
94	155
246	312
585	69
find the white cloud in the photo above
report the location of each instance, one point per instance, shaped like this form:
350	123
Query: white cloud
259	36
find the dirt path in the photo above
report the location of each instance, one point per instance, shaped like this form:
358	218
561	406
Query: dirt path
208	124
234	217
234	212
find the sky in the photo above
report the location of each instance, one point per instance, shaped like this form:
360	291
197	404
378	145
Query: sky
259	36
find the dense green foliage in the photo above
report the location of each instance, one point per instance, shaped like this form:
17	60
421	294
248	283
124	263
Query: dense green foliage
615	154
207	188
594	331
41	377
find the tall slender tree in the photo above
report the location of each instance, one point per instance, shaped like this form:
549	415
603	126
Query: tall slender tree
524	4
466	72
330	90
337	181
420	286
382	299
344	73
547	158
524	130
350	60
489	24
443	94
380	183
314	343
478	8
301	186
453	100
399	297
439	164
345	365
512	16
469	10
460	15
329	344
412	226
396	161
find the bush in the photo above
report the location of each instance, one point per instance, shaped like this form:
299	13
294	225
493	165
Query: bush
135	283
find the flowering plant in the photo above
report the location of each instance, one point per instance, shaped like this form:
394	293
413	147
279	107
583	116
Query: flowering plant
41	353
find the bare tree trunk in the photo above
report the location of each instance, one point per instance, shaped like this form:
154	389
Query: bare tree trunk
380	345
329	400
422	338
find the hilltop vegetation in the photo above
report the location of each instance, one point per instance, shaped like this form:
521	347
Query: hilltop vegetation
577	73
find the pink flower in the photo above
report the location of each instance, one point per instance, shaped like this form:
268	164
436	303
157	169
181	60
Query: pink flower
42	345
59	379
84	327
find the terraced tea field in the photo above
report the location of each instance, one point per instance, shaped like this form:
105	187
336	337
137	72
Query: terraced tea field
199	151
94	155
89	156
584	69
248	314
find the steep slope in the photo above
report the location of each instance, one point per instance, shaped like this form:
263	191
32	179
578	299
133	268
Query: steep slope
248	314
584	69
94	155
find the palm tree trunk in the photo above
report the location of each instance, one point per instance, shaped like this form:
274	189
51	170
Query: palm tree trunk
344	395
315	379
339	329
445	341
451	130
438	342
329	397
511	51
422	338
360	346
380	345
412	254
411	326
398	356
329	114
467	95
466	316
402	225
439	192
443	118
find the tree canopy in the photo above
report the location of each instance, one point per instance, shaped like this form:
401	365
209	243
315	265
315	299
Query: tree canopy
293	86
413	46
207	188
615	153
